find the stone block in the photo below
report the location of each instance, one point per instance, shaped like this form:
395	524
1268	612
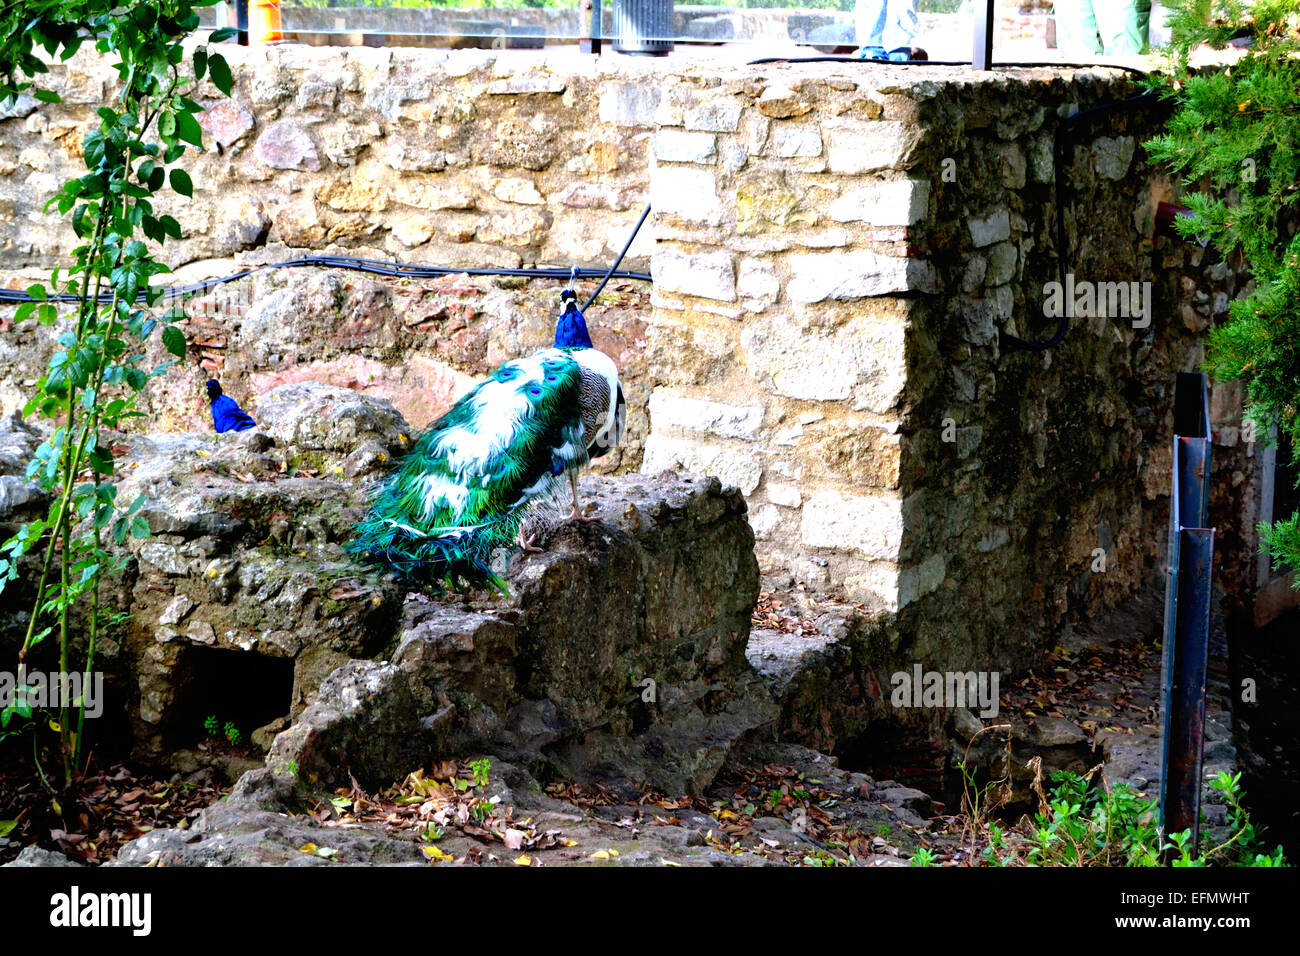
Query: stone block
676	146
869	526
710	275
669	410
900	202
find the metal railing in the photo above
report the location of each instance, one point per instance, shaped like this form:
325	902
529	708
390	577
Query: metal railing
638	26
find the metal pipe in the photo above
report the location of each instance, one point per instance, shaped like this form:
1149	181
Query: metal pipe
1187	612
982	52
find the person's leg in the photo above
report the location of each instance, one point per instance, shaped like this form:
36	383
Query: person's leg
1076	28
869	22
1123	25
899	28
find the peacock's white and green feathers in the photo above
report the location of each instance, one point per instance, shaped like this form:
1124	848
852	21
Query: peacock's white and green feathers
462	490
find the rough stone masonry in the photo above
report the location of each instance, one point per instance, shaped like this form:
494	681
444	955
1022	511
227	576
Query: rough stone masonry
835	251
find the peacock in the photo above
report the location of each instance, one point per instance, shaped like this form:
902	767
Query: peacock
462	491
227	416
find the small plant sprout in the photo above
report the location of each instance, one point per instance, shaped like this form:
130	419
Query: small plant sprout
480	769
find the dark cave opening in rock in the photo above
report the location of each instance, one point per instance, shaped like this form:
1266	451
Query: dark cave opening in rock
241	688
907	755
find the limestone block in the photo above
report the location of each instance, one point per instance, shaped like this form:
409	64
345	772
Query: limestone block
676	146
669	410
893	203
870	526
710	275
738	468
855	275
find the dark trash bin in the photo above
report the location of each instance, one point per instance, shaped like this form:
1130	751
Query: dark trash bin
643	27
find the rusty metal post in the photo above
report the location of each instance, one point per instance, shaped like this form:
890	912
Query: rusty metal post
1187	612
589	42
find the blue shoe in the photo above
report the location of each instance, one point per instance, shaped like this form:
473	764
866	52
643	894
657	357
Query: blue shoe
901	55
871	53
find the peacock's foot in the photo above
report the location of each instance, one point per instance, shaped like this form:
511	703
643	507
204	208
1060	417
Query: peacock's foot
577	515
526	545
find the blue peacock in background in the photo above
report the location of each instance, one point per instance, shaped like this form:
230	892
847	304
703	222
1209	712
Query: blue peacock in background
227	416
462	491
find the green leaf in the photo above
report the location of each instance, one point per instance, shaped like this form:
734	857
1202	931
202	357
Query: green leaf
174	340
200	62
47	96
167	125
225	33
219	70
139	527
188	129
181	182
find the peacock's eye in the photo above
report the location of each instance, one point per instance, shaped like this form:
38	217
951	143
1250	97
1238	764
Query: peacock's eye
534	391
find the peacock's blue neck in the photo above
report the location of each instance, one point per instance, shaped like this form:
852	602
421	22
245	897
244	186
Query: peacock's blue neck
571	330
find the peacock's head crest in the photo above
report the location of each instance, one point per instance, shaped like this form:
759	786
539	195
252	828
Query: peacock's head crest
571	327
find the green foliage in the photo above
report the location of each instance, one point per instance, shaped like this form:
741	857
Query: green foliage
111	307
1235	141
480	770
211	725
922	857
232	734
1083	824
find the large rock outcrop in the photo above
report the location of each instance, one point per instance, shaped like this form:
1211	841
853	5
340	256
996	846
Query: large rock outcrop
620	657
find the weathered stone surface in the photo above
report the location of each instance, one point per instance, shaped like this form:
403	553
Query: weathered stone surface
1113	156
518	191
285	145
337	421
714	116
851	362
781	102
994	227
856	147
629	103
226	121
710	275
757	283
554	674
241	224
792	141
890	203
23	105
686	192
356	195
855	275
735	468
668	410
870	526
675	146
35	856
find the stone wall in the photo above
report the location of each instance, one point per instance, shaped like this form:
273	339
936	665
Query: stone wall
835	249
838	252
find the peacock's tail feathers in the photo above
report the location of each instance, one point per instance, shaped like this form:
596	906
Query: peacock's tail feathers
459	494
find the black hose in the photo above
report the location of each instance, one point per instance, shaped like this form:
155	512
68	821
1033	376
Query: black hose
626	246
371	266
997	66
